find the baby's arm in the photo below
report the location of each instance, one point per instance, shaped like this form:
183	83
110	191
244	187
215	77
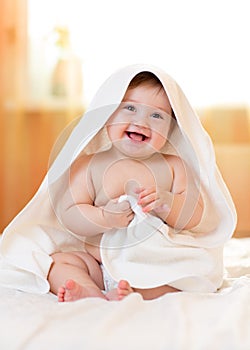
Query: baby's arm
77	211
181	208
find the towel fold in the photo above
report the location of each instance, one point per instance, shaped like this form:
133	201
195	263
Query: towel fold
146	256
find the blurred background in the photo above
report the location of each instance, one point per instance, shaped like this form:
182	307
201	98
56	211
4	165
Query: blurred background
54	54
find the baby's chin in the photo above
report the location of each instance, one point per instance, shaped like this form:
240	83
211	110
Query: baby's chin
145	151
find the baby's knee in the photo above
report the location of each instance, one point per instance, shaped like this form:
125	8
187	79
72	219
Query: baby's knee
69	258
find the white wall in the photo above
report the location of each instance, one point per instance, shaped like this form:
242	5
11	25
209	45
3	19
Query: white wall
204	45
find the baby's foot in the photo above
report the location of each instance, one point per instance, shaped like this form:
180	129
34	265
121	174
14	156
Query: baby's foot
73	291
123	289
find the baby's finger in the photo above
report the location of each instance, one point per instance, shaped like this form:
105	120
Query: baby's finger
147	199
138	190
124	206
131	216
146	192
157	206
148	208
162	208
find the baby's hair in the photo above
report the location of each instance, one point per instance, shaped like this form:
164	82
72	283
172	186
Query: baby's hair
147	78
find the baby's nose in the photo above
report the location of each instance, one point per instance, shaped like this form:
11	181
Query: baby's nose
141	118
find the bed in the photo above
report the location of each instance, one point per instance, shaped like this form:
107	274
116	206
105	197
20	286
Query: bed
175	321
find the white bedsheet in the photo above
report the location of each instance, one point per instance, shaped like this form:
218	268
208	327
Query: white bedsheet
205	321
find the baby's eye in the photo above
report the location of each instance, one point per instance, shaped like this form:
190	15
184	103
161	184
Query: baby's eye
130	108
156	115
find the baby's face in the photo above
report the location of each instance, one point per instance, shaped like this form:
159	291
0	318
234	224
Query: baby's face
140	125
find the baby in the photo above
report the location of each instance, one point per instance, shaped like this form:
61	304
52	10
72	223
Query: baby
133	202
136	165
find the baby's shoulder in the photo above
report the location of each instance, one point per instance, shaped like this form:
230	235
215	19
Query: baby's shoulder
173	159
81	163
177	164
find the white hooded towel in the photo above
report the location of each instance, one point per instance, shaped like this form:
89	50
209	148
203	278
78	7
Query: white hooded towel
188	260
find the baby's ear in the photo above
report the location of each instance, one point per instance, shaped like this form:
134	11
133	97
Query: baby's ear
131	188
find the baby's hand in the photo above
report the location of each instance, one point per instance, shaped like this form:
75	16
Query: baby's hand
118	215
151	199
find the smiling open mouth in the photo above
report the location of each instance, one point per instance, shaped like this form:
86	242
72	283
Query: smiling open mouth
135	136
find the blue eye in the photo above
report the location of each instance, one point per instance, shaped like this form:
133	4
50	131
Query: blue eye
130	108
156	116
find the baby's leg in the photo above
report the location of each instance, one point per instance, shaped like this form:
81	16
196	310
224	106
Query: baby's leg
153	293
75	275
123	289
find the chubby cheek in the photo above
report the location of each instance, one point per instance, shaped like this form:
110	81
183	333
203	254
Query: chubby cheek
158	141
114	132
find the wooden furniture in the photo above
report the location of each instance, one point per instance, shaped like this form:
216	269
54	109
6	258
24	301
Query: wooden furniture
229	129
27	131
